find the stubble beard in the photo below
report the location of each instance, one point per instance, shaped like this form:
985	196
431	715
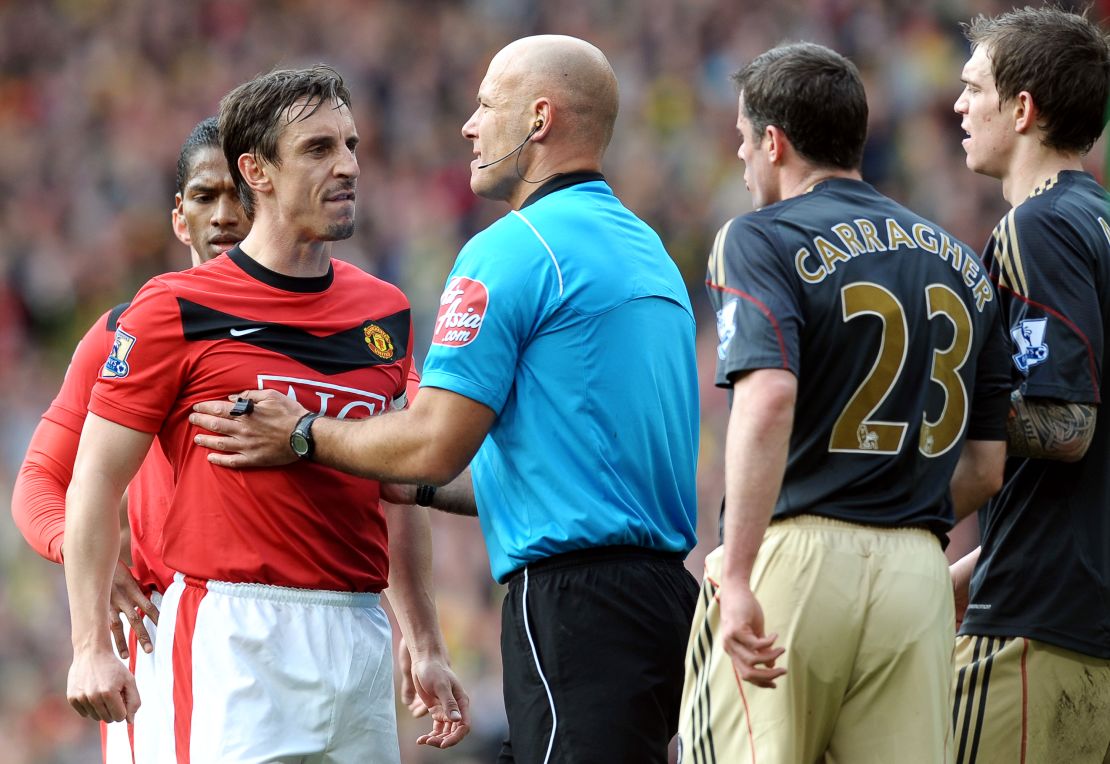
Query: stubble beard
339	231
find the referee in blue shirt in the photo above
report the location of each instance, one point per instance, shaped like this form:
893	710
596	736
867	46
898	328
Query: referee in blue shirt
562	369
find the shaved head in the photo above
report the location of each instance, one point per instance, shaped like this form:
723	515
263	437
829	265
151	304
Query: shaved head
572	73
546	107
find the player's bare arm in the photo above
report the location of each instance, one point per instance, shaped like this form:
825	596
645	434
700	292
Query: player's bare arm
1040	428
961	571
413	602
755	459
978	475
455	498
99	685
430	442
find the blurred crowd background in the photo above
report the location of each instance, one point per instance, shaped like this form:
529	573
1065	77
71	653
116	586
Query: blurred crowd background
96	97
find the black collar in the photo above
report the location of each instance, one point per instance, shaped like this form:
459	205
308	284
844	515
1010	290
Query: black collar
258	271
561	181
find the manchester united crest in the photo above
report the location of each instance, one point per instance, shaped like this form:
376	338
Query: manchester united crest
378	340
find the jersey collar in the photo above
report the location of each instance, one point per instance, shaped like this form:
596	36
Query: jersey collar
260	272
559	182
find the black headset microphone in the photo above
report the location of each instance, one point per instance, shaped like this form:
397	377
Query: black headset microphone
535	126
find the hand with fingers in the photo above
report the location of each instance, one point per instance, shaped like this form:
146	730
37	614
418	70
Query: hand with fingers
129	602
439	689
409	696
100	687
753	653
242	435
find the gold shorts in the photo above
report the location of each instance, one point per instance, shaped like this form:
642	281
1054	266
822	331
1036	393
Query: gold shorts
1020	701
866	617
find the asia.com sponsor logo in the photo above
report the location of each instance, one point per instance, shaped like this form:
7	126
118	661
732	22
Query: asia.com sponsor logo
328	399
462	306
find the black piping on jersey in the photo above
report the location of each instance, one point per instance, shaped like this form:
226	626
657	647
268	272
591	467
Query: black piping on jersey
260	272
559	182
114	314
346	350
701	656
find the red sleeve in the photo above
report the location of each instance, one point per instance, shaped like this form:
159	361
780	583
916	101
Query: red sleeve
39	497
142	375
71	404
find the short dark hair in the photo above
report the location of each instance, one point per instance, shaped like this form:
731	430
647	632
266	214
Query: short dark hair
814	95
253	115
1060	58
206	135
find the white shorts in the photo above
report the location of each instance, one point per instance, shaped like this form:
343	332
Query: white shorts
256	674
123	744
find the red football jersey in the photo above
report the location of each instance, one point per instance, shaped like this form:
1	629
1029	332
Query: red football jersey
38	503
340	344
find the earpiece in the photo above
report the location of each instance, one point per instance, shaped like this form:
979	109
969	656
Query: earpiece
535	126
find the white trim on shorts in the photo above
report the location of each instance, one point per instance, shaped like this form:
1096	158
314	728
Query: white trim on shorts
539	668
290	594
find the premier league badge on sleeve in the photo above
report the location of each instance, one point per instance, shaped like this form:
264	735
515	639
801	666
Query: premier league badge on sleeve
117	366
726	327
1028	337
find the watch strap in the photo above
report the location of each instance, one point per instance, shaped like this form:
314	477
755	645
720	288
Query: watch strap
424	494
303	429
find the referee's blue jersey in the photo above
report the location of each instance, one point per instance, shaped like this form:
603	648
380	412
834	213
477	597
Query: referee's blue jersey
570	321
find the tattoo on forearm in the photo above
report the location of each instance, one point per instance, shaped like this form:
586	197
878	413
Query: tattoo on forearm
1043	429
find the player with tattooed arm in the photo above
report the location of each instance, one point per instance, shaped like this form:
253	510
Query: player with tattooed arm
1033	655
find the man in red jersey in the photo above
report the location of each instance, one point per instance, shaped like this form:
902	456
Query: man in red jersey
209	218
273	644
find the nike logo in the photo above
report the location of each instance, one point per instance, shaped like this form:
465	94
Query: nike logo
340	351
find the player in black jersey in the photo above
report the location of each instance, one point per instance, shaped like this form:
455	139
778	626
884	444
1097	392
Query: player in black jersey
864	353
1033	656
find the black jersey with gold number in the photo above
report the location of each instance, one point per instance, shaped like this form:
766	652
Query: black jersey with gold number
891	326
1044	570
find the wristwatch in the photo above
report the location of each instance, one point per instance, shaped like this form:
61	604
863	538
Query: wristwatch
300	440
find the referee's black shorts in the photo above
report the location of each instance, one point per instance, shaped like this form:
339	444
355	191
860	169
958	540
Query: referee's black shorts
594	643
